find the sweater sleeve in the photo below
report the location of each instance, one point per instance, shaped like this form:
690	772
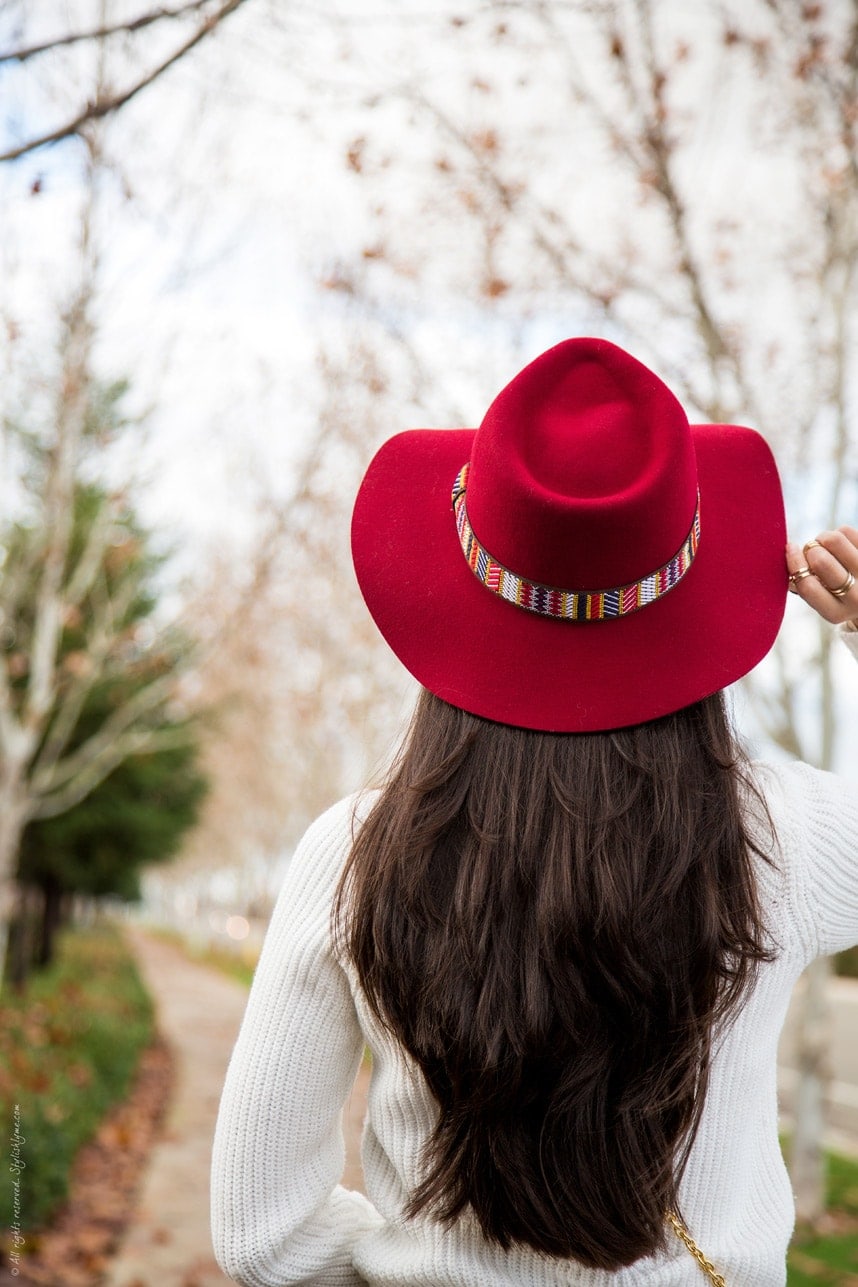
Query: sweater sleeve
279	1214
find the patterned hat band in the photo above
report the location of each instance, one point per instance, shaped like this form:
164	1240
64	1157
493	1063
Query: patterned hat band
569	605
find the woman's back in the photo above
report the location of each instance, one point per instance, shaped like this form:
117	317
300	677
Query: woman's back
551	926
735	1192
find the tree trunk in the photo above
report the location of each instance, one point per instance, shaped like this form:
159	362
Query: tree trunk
807	1164
13	803
23	937
51	920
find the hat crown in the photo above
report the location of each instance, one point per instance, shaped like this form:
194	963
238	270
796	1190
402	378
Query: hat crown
583	473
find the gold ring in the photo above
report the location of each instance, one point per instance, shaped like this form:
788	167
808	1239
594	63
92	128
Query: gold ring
812	545
843	590
799	575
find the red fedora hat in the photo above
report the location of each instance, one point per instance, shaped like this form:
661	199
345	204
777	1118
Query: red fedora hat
584	560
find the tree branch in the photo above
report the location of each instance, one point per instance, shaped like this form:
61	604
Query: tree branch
142	741
11	732
68	706
81	580
106	106
640	138
505	194
59	490
776	711
659	150
100	33
144	702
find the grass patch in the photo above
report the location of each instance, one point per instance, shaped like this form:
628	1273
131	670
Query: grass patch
69	1045
846	963
238	966
830	1256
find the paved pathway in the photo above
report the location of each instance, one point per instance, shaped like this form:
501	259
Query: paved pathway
199	1012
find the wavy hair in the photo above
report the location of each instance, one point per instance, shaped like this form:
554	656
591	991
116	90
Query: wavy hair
553	926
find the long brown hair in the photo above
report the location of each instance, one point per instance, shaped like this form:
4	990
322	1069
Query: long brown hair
553	925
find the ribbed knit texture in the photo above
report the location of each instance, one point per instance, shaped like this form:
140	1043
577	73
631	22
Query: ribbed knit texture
278	1213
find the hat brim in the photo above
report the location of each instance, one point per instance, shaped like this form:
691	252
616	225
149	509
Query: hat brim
479	652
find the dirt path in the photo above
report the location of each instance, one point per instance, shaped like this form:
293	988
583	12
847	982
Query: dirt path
199	1013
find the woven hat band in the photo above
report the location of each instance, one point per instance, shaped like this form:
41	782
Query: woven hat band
569	605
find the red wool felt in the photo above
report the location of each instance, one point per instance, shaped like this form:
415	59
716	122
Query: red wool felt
584	476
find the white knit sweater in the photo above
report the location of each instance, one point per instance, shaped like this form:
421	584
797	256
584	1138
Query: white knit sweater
279	1214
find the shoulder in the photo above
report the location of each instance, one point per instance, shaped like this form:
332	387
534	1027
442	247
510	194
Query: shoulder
808	805
321	853
793	786
298	938
339	824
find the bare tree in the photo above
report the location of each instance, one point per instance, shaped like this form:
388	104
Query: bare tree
42	696
304	705
108	100
52	582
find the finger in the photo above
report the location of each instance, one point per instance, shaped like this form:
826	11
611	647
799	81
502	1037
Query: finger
832	575
829	570
795	559
809	587
842	548
851	534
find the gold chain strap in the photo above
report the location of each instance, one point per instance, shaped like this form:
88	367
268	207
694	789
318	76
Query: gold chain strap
706	1265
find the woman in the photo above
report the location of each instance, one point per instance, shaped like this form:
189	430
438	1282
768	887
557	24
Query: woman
568	927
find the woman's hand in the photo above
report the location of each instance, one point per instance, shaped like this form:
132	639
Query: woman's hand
825	574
